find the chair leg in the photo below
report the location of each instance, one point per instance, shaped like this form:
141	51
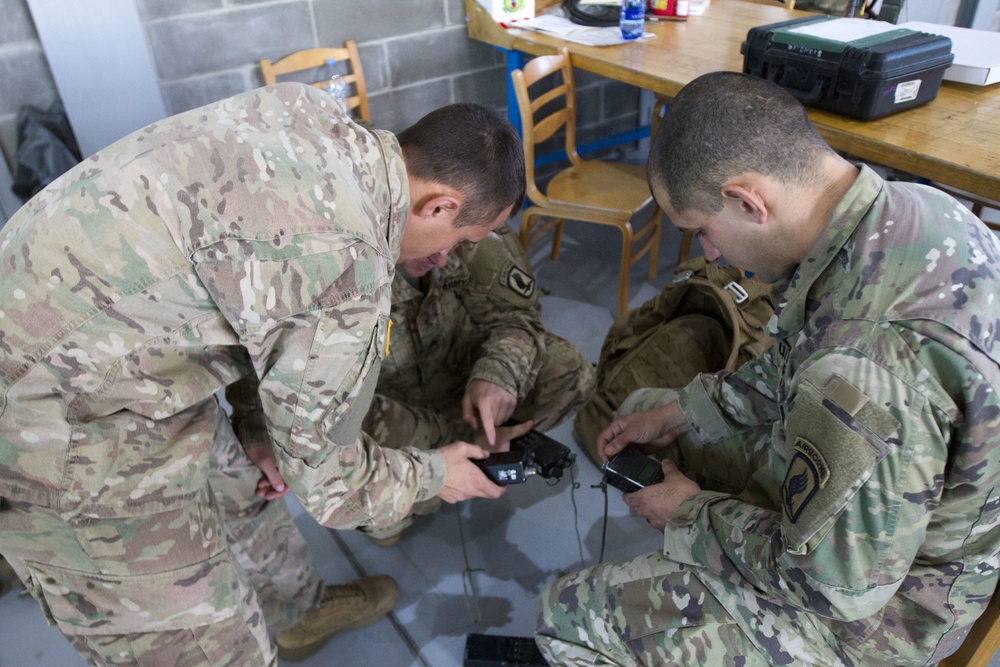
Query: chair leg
524	235
654	248
685	250
626	263
557	239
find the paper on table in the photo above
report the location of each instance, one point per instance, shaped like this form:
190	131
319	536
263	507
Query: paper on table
845	29
604	37
554	25
574	32
977	52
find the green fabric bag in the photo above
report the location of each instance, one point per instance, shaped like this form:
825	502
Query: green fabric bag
709	318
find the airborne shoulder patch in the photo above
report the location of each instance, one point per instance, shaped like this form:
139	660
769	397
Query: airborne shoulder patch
807	473
517	280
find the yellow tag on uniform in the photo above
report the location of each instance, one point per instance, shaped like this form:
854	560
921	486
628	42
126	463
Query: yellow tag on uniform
388	334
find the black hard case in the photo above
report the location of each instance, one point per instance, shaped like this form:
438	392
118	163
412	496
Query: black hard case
856	82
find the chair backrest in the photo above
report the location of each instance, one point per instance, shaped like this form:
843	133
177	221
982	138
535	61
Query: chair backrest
316	59
983	640
548	112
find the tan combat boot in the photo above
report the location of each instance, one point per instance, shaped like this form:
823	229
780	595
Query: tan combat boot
386	537
345	607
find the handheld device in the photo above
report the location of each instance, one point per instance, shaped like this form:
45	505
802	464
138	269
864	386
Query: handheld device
630	471
533	453
502	651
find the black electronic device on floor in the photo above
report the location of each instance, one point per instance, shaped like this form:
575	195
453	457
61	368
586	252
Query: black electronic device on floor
502	651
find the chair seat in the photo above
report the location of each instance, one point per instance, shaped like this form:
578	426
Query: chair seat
614	189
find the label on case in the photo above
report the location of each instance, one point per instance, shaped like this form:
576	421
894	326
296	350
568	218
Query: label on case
907	91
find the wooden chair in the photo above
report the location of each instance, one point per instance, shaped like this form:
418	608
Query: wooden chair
316	59
687	236
597	191
982	642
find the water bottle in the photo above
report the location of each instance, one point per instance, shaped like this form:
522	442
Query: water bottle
335	84
632	17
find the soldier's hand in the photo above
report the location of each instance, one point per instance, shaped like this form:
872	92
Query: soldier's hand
464	479
657	502
504	435
649	430
486	404
271	485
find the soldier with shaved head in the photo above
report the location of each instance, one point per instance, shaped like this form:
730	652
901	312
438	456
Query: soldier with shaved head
834	502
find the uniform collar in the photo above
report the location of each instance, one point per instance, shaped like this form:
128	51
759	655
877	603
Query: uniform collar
791	293
399	191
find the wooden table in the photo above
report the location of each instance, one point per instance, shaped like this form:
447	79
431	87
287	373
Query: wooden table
954	140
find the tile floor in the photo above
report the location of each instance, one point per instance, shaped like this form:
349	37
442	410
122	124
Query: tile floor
513	547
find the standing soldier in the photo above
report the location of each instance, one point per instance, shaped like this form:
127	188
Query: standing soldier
257	235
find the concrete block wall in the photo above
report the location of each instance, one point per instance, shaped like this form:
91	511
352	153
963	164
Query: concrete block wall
416	56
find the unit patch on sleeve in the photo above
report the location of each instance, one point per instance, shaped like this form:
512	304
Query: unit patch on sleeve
807	474
517	280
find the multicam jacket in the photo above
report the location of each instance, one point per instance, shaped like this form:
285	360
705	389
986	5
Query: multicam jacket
256	235
868	518
475	318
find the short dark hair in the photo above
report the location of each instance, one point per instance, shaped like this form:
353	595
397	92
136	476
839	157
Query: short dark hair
473	149
723	124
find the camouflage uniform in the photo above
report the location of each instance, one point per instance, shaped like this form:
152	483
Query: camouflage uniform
260	533
258	234
851	503
475	318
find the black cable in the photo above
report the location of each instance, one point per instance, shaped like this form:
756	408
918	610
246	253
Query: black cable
574	485
603	486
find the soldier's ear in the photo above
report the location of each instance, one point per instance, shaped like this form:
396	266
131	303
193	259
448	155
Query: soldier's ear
438	205
750	201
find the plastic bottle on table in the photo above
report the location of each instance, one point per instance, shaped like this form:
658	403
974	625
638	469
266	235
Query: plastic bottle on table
681	8
632	17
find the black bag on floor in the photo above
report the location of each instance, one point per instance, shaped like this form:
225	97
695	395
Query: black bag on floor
46	148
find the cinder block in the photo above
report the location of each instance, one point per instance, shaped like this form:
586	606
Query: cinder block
16	25
8	140
455	10
26	78
159	9
373	62
193	93
606	129
487	87
620	99
585	79
435	54
588	106
203	44
399	108
370	20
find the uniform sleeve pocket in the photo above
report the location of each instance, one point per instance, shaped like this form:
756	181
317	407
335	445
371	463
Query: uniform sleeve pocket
337	413
833	448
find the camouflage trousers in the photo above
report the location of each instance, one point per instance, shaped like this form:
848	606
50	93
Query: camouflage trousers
188	587
647	611
564	383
